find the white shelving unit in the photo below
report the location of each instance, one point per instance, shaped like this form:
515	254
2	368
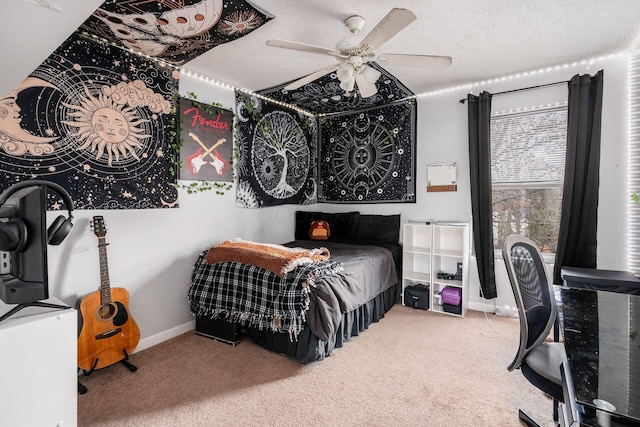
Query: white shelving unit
430	249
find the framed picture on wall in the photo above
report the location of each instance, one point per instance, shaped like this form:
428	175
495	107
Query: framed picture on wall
442	177
206	132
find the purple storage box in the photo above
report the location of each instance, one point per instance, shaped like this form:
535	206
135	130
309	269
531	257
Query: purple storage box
451	295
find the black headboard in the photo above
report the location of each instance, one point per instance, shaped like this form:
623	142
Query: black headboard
352	227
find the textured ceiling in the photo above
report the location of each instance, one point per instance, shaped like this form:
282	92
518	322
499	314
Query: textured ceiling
486	39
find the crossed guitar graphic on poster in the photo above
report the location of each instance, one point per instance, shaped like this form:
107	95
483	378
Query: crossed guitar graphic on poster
197	160
207	137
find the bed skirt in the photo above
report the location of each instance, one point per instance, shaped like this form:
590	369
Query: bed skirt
309	348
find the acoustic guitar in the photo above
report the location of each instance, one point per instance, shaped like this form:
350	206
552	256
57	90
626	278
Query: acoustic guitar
108	333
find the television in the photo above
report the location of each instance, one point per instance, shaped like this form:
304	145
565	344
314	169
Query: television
23	246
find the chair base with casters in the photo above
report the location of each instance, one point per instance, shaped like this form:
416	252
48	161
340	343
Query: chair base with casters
538	360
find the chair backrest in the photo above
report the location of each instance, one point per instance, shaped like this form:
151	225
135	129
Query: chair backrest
533	292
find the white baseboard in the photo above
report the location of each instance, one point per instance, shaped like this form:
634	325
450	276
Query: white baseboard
165	335
499	310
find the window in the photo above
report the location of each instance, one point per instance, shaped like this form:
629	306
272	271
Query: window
527	172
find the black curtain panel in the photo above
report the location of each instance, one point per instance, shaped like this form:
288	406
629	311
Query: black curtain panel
579	217
479	116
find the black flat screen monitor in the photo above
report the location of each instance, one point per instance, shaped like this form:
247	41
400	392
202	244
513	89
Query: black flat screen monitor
23	272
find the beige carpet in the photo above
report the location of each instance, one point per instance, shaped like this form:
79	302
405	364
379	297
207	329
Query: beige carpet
414	368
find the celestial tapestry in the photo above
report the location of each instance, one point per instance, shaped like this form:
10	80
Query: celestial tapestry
206	133
277	154
324	95
369	156
96	120
176	31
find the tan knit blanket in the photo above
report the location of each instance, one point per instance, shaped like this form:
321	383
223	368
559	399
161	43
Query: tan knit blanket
275	258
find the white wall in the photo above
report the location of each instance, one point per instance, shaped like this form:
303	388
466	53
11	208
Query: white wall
151	252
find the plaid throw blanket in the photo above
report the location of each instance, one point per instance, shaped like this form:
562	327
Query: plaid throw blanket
250	295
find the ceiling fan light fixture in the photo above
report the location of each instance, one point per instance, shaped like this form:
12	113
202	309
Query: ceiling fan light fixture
346	72
348	85
371	74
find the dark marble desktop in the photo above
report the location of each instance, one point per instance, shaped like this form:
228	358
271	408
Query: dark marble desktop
601	333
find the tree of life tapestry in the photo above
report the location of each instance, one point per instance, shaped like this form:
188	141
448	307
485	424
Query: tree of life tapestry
96	120
369	156
277	154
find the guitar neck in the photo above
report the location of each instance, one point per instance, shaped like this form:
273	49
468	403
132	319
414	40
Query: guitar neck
105	287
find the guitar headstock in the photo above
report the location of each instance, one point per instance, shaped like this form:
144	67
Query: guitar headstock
98	227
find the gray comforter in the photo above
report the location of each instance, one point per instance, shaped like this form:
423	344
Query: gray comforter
368	271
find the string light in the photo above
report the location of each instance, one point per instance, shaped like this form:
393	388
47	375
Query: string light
195	75
531	109
633	153
230	87
468	87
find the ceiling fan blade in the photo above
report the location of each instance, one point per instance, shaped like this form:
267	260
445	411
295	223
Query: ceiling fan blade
392	24
311	77
428	62
365	88
303	47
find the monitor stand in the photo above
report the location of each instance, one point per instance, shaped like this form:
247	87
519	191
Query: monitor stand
19	307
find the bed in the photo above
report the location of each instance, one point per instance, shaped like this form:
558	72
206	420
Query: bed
313	308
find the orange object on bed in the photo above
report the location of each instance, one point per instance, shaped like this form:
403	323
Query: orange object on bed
275	258
319	230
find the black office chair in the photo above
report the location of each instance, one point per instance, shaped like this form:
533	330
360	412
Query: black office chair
538	359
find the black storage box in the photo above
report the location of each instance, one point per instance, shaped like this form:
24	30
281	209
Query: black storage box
417	296
218	329
450	308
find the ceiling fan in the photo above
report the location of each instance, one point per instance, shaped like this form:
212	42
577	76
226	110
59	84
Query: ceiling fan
355	52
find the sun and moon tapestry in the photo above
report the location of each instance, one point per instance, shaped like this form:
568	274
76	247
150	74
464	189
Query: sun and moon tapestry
175	31
100	120
95	120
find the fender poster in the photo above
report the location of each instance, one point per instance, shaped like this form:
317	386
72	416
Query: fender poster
206	133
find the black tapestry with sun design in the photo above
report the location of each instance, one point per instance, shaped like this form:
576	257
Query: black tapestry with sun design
98	121
277	154
369	156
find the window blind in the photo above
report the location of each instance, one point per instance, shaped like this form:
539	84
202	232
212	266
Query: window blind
529	148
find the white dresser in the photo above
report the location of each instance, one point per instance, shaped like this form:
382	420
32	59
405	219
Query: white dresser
38	367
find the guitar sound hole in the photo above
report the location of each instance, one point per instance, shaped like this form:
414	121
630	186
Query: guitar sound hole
106	311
